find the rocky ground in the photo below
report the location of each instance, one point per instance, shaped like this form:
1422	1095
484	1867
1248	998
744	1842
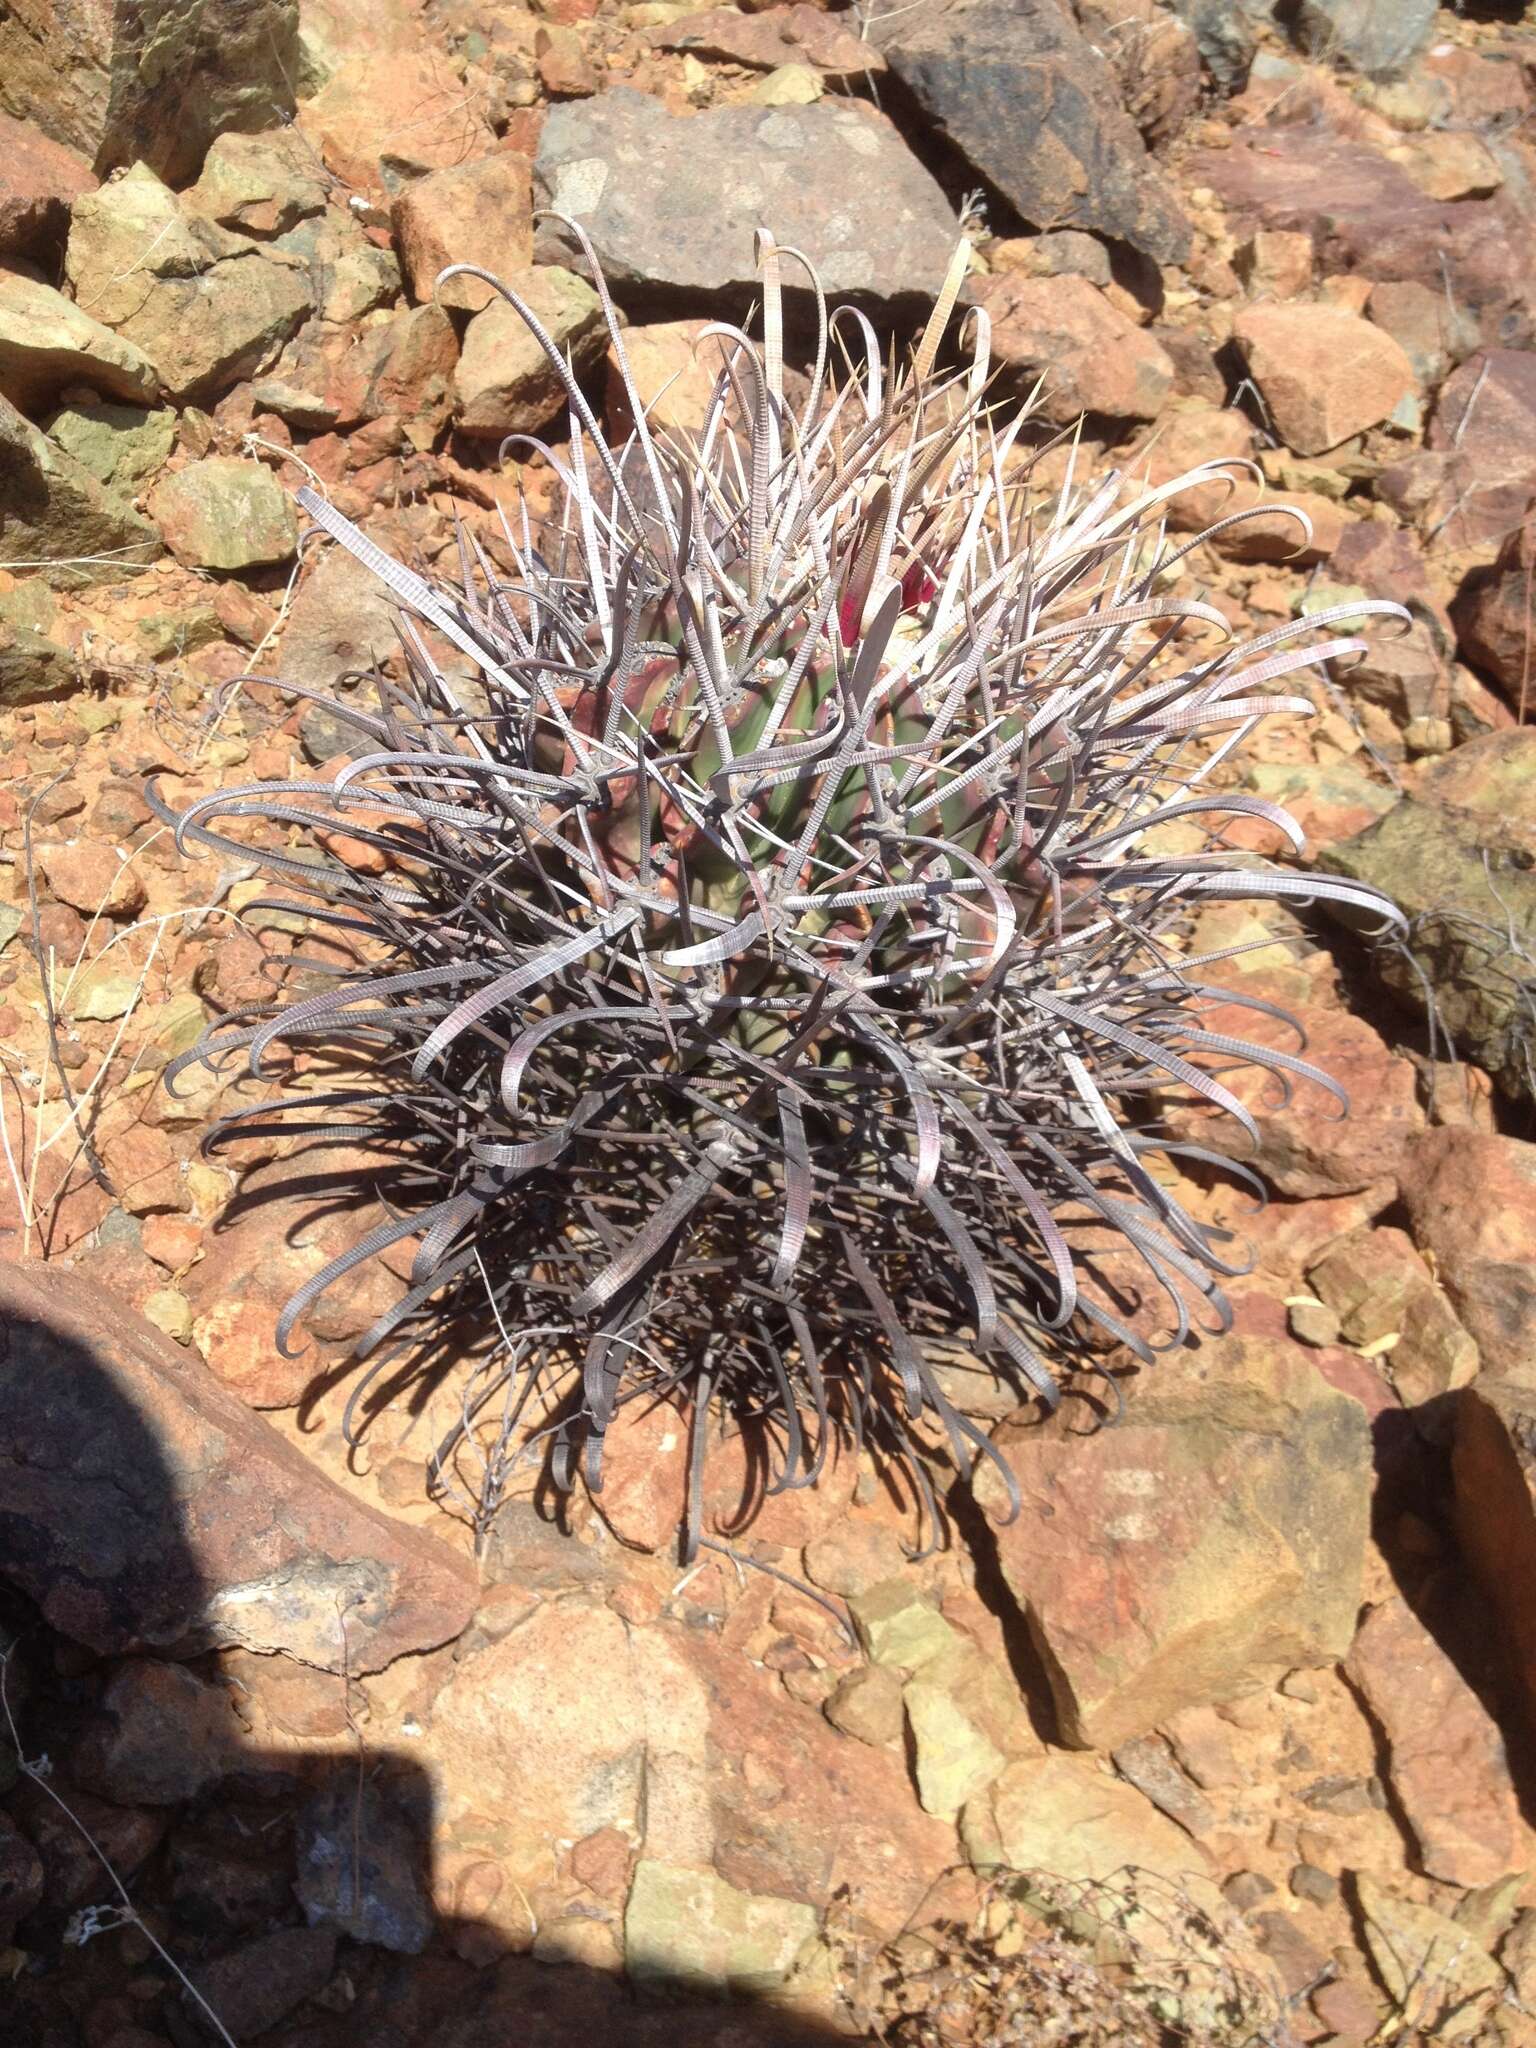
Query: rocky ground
1269	1645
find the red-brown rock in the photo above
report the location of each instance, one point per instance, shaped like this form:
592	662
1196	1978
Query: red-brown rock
1493	1465
799	34
39	182
1471	1200
1192	1553
148	1509
1325	374
161	1736
1495	618
1446	1755
385	116
1189	436
91	878
1307	1146
479	213
673	377
1093	359
402	368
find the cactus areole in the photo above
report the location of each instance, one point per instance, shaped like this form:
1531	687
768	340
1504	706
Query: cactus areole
761	970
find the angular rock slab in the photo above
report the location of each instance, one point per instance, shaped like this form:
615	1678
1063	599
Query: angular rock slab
207	307
1033	107
143	1507
1212	1541
54	512
673	202
1446	1755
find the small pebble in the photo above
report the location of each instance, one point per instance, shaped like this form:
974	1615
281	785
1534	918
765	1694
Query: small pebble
1245	1889
1308	1882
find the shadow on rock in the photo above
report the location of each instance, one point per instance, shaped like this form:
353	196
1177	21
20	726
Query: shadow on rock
175	1576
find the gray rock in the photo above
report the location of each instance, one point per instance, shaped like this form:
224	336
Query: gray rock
33	668
1377	37
1016	88
348	275
1148	1763
1224	36
55	513
1455	857
360	1857
672	202
155	80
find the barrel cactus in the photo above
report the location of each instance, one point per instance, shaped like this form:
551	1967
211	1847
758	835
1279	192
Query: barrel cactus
762	968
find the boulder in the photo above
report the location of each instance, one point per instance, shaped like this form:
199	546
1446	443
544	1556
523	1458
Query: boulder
159	1736
1454	856
261	185
146	1509
1471	1202
55	513
1018	91
47	343
207	307
1307	1146
687	1930
155	81
1324	373
1092	358
386	116
577	1726
1380	38
225	513
1212	1541
504	382
1367	216
39	182
479	213
123	446
672	202
1445	1755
